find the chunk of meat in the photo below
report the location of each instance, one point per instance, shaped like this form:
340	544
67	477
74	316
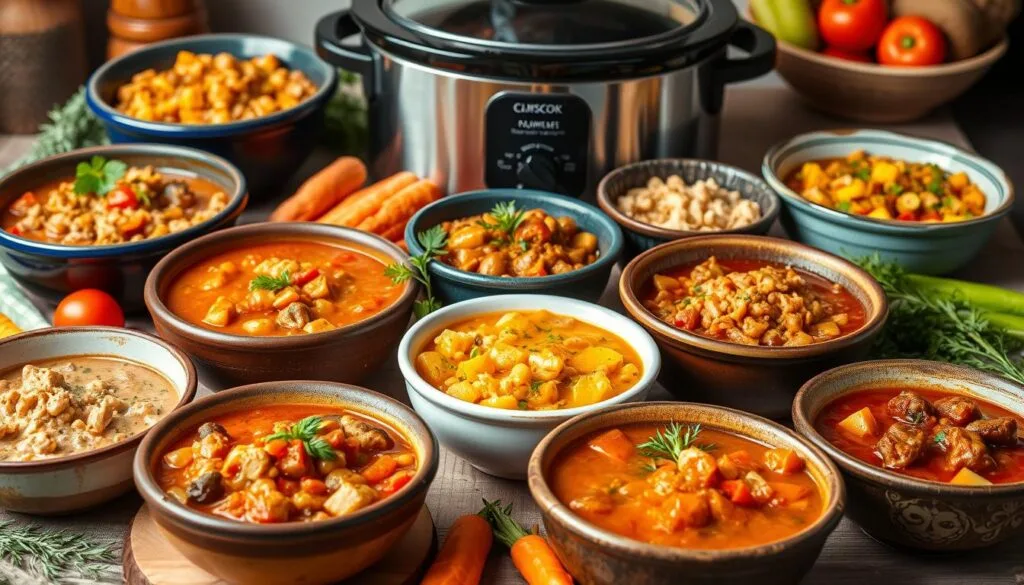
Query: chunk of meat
295	462
294	316
722	508
211	427
996	431
910	408
962	449
265	504
101	415
367	435
245	464
213	445
698	469
957	409
681	510
207	488
35	379
900	446
348	498
178	194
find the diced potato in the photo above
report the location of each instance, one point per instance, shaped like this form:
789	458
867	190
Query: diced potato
855	190
348	498
318	325
785	461
614	444
506	356
861	423
318	288
473	367
434	368
454	345
220	312
662	282
959	180
514	321
595	359
590	389
825	330
880	213
812	174
285	298
967	477
908	203
974	200
464	391
544	396
506	402
628	374
258	326
884	172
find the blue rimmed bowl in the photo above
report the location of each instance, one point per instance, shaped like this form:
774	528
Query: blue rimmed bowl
924	248
641	236
452	285
51	271
268	150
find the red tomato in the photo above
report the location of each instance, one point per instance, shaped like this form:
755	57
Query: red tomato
123	197
859	57
88	307
852	25
912	41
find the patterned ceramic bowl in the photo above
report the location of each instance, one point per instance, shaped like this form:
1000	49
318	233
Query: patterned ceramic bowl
642	236
924	248
905	511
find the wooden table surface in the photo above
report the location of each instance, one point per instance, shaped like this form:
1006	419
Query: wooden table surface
754	119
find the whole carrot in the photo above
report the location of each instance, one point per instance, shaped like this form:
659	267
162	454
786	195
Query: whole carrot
461	560
331	185
531	553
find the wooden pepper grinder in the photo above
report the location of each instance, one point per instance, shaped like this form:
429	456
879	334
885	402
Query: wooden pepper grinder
134	23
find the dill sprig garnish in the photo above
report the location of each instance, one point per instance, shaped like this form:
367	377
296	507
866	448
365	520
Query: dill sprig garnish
673	440
305	430
271	283
59	556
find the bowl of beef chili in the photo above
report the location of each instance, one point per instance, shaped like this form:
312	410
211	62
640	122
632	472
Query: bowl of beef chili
102	217
745	320
930	452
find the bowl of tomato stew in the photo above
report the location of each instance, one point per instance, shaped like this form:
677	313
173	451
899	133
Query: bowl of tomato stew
931	452
102	217
282	301
644	493
499	241
290	482
493	375
745	320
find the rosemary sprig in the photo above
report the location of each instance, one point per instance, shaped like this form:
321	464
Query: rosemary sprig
673	440
305	430
267	282
58	556
435	243
507	218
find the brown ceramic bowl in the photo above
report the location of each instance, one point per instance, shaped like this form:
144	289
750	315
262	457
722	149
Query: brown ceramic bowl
756	379
345	354
293	553
905	511
596	556
62	485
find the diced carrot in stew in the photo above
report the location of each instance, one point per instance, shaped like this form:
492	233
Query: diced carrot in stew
861	423
784	461
381	468
614	444
738	492
313	486
295	462
335	438
787	493
396	482
276	448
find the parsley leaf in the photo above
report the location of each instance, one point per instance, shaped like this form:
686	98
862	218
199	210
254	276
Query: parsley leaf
305	430
434	242
98	175
506	216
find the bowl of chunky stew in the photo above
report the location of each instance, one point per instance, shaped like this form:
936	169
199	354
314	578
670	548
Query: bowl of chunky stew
74	405
516	241
745	320
102	217
932	453
256	101
493	375
289	482
644	493
927	205
282	301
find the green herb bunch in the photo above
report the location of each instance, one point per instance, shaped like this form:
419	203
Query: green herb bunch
435	244
305	430
58	556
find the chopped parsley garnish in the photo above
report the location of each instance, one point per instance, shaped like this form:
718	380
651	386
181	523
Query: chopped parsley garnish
843	206
305	430
98	176
507	218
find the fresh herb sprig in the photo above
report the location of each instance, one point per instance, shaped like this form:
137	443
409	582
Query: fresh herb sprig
435	244
673	440
271	283
305	430
98	175
506	218
58	555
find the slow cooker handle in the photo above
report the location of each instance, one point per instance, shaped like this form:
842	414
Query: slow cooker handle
760	59
331	30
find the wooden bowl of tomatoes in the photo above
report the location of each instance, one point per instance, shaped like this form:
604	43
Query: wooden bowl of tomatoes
875	60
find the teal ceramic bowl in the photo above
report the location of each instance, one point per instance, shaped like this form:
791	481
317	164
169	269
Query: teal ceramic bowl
452	285
924	248
640	236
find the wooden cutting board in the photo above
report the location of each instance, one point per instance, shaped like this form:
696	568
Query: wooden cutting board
150	560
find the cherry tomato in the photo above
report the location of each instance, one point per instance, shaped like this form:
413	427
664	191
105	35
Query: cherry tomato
912	41
122	198
852	25
859	57
88	306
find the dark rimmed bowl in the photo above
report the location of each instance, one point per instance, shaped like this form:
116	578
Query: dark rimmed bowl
63	485
597	556
757	379
904	511
267	149
51	271
346	354
453	285
642	236
290	553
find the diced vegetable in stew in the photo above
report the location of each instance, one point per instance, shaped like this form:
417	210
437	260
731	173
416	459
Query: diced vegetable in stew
687	487
927	434
287	463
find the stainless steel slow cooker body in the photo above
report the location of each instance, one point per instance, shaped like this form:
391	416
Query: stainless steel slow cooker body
486	112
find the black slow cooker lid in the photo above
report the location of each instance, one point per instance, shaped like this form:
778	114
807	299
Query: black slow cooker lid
547	39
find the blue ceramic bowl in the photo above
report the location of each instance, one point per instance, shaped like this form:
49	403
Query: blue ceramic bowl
51	271
268	150
452	285
641	236
924	248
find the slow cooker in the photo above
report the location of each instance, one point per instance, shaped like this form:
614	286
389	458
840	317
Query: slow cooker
540	94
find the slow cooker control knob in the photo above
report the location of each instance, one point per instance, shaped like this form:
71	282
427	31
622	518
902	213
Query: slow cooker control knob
539	171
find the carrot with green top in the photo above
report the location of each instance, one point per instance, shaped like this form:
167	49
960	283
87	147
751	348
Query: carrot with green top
531	553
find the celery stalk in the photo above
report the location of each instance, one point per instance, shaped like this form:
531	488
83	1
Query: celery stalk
984	296
1012	324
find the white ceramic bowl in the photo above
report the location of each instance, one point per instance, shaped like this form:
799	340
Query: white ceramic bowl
498	441
67	484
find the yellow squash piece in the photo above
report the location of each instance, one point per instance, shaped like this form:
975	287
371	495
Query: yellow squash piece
473	367
7	327
967	477
861	423
595	359
590	389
